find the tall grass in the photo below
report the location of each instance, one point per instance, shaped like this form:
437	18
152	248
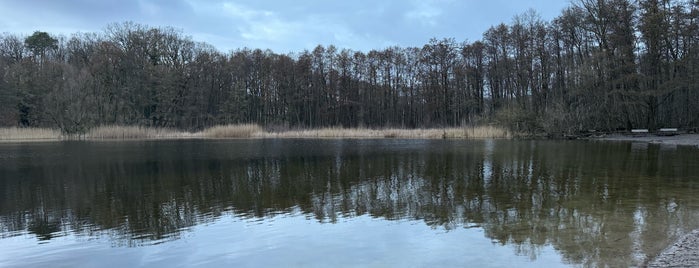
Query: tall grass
20	134
232	131
429	133
485	132
116	132
331	132
471	132
133	132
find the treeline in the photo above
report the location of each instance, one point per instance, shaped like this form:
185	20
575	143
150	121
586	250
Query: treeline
601	64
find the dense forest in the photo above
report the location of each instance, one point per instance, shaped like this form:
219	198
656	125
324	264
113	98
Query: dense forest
600	65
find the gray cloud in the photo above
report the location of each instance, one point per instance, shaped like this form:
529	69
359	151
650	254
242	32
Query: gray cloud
283	26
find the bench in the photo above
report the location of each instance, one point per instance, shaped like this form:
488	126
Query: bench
667	132
639	132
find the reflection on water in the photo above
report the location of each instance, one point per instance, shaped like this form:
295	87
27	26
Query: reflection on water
596	204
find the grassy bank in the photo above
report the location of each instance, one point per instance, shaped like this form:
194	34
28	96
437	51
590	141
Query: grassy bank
133	132
431	133
232	131
29	134
255	131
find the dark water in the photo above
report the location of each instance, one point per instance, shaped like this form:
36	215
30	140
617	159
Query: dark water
326	203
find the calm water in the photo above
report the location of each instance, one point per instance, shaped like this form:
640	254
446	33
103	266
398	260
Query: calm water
325	203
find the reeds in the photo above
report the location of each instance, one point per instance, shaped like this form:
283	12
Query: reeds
23	134
471	132
333	132
232	131
486	132
115	132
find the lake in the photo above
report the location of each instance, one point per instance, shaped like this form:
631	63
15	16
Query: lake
329	203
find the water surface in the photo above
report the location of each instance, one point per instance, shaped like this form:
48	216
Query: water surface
401	203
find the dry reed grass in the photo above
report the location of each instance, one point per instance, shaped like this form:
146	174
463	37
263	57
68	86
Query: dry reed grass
255	131
479	132
232	131
487	132
133	132
326	133
20	134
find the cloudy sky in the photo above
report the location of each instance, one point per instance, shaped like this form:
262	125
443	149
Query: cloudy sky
281	25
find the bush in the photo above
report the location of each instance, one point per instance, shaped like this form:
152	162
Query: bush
519	120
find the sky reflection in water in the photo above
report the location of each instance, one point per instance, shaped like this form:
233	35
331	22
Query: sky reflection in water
334	202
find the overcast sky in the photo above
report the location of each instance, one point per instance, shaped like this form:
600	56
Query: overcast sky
281	25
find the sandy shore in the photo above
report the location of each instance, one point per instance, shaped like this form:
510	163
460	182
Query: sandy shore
684	139
683	253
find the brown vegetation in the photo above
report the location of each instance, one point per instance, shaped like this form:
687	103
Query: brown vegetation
484	132
470	132
232	131
24	134
115	132
133	132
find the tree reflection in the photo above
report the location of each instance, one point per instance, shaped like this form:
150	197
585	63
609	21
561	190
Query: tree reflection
599	204
44	228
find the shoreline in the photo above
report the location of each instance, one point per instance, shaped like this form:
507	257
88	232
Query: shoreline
6	141
681	139
251	131
682	253
348	133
